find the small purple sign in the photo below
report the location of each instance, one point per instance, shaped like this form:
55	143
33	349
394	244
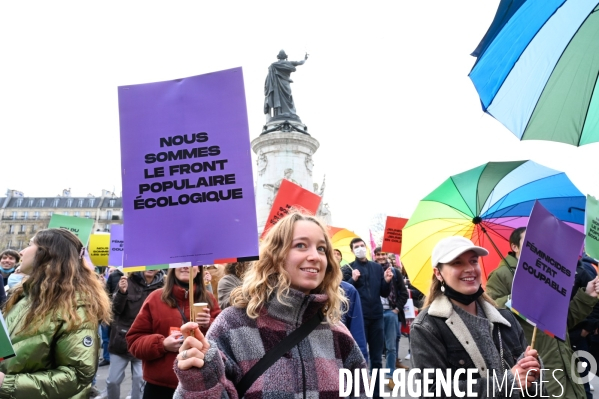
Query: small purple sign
188	191
117	242
545	273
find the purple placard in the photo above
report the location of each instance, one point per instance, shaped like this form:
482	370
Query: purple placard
545	273
117	241
188	191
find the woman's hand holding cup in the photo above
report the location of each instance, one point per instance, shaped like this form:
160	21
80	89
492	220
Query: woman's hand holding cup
202	314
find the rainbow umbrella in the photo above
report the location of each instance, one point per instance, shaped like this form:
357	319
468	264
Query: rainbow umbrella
486	204
537	69
341	237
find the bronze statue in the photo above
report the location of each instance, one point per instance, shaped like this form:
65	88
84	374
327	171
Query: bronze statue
277	89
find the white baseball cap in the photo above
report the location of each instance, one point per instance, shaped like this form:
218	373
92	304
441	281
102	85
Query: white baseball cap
450	248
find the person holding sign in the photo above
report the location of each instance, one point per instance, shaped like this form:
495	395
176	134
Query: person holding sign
53	319
155	336
290	300
499	284
556	354
452	331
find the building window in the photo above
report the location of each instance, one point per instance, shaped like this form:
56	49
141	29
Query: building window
14	215
19	201
70	202
31	202
76	214
36	215
50	213
42	202
65	213
25	215
20	244
23	227
108	215
111	203
91	202
88	214
33	228
55	202
80	202
11	229
9	244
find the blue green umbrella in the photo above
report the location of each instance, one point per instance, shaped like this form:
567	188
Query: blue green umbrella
538	67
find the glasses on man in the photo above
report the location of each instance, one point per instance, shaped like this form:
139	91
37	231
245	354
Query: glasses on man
380	254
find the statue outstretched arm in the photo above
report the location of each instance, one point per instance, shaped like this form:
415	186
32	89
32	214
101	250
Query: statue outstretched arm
302	62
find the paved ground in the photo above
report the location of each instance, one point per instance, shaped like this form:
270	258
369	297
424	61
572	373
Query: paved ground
125	385
403	350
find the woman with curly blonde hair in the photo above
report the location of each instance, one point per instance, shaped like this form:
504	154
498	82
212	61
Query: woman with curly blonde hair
53	321
296	279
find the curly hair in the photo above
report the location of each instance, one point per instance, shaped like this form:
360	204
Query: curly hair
268	276
58	282
237	269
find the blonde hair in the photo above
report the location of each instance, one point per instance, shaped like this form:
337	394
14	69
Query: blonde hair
58	281
268	276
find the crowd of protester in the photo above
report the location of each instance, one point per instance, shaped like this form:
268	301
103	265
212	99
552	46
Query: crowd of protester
300	308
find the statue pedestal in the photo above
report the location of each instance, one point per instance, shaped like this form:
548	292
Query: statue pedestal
281	155
285	125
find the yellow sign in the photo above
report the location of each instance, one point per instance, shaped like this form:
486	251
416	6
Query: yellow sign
99	248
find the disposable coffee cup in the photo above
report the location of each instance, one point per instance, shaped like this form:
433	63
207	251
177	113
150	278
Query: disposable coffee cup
198	308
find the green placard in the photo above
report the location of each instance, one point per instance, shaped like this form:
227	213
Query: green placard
81	227
591	242
6	349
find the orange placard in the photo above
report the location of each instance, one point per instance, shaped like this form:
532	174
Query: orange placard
392	237
291	196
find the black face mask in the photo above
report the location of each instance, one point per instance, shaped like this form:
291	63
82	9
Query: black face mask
461	298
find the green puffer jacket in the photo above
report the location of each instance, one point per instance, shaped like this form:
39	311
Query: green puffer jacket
556	354
52	363
499	284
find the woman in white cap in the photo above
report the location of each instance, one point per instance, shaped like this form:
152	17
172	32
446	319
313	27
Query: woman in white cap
460	328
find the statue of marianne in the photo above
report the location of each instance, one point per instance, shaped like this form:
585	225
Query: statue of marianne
277	89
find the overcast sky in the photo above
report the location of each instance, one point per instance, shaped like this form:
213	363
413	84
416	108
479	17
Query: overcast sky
385	91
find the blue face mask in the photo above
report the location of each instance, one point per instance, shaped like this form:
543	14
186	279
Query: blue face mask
7	270
14	279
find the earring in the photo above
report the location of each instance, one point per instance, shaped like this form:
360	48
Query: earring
442	286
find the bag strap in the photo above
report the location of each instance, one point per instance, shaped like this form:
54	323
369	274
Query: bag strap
275	353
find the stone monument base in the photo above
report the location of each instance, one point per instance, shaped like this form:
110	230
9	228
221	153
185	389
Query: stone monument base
285	126
281	155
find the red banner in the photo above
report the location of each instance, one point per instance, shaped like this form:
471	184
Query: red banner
291	196
393	232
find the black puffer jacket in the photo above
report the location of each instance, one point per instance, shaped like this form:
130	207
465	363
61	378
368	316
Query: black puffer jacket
126	307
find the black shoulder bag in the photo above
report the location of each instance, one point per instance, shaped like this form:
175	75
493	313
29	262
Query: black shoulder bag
275	353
